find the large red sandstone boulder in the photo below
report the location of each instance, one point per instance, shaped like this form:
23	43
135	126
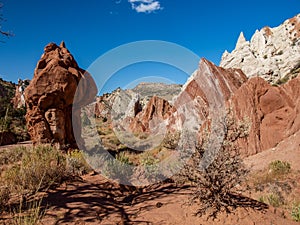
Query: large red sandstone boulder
58	87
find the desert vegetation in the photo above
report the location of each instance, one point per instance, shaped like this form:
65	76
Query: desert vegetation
218	183
276	187
27	173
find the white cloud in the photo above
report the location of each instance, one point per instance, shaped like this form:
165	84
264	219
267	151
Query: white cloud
140	1
145	6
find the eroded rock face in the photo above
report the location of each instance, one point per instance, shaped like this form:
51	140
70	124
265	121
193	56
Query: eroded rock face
273	113
58	87
271	53
208	87
155	112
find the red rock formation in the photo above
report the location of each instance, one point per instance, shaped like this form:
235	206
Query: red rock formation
273	112
156	111
198	93
50	97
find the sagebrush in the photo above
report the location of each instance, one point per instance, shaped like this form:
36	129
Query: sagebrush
217	184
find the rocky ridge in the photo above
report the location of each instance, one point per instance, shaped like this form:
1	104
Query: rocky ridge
272	53
133	100
271	112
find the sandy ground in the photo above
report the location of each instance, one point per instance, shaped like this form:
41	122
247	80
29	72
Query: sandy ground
92	199
287	150
95	200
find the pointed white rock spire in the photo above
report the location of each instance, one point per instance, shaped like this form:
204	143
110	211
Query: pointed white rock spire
241	41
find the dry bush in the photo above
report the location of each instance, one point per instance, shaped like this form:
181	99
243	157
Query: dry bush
39	168
26	172
29	213
217	184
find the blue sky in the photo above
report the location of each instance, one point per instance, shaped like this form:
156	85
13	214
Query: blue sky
90	28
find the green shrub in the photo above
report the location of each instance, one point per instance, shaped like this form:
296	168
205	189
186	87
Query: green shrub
296	213
149	167
262	199
123	158
282	80
76	163
85	120
278	167
117	170
148	160
280	52
114	140
275	200
272	199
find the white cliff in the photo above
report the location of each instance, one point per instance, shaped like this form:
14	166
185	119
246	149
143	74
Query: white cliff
271	53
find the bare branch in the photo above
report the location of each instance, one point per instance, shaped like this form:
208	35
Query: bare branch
2	32
217	183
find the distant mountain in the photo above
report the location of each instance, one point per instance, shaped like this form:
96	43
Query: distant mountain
141	95
165	91
272	53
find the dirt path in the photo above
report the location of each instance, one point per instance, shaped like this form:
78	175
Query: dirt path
94	200
25	144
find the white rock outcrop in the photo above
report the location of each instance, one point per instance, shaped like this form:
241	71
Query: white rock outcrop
271	53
